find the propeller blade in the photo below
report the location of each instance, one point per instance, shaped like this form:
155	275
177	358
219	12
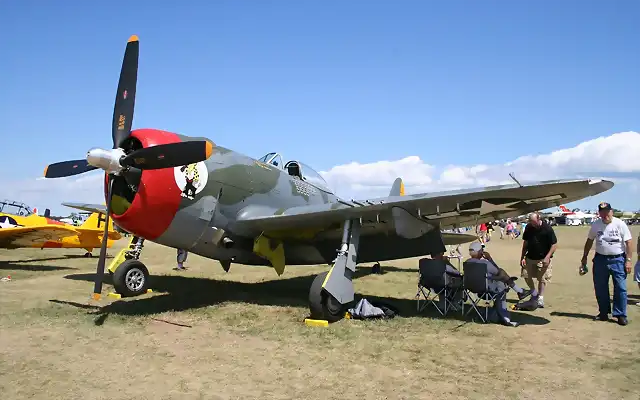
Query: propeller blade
97	288
126	95
168	155
67	168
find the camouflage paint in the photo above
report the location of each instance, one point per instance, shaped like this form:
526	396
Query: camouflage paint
246	198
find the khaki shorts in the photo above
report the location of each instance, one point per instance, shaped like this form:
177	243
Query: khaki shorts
534	269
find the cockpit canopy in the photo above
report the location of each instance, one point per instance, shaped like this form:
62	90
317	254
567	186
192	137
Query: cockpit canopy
297	169
15	208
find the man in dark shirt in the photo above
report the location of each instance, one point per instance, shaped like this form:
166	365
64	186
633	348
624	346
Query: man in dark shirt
539	242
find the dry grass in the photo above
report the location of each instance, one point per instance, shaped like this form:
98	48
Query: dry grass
205	334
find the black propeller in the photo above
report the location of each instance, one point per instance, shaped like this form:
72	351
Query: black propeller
116	161
67	168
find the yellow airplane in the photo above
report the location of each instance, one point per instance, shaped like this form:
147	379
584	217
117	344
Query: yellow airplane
34	231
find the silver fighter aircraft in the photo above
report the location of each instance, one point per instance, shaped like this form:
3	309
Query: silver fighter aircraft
189	193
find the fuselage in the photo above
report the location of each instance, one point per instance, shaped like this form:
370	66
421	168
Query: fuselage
195	207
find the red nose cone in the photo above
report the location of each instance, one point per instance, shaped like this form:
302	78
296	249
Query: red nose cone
158	197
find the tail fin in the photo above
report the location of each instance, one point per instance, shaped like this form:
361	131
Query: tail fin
397	189
95	223
564	209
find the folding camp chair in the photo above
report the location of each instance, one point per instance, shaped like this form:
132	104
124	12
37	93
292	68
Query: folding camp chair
435	282
475	282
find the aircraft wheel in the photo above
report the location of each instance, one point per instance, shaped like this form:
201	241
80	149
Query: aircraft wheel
88	254
323	305
376	268
131	278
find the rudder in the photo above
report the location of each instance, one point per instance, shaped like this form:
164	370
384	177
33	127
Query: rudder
397	189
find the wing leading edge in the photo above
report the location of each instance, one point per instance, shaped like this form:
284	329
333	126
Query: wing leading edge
31	235
446	209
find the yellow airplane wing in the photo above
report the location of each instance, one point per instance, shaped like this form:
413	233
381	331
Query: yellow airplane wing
29	236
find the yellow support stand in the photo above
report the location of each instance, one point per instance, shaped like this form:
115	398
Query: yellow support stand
321	322
316	322
119	296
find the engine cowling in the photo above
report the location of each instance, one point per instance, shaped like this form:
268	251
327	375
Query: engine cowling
145	202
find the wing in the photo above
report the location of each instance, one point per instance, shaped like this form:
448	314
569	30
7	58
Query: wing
412	215
87	207
11	238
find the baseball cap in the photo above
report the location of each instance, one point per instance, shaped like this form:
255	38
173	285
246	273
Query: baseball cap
476	247
604	206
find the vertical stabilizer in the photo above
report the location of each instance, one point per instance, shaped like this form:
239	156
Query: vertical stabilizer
397	189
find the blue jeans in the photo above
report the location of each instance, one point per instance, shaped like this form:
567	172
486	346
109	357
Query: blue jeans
603	267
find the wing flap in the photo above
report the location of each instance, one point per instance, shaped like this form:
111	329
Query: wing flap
447	209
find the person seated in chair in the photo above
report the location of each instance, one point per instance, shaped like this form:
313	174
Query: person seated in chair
449	267
454	279
498	281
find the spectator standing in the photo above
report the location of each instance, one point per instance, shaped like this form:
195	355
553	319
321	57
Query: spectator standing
636	268
612	259
181	257
502	226
539	242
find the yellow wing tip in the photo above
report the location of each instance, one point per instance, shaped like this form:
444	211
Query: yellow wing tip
133	38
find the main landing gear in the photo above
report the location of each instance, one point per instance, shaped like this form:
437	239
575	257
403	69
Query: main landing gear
130	276
331	291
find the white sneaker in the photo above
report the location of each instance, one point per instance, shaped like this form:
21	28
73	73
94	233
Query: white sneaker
540	302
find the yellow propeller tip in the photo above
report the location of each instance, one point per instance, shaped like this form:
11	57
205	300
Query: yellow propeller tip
209	149
45	170
133	38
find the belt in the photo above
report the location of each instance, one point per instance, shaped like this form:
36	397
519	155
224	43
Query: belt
610	255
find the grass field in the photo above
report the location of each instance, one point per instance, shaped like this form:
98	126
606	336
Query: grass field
207	334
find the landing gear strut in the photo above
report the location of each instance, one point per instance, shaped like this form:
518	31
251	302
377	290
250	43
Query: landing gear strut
130	276
331	291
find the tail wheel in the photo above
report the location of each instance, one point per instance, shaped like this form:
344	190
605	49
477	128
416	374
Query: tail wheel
322	305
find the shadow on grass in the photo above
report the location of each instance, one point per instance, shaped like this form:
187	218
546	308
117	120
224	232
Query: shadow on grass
363	270
25	265
19	266
571	315
180	293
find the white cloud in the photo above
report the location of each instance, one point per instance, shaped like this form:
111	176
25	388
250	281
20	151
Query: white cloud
615	153
49	193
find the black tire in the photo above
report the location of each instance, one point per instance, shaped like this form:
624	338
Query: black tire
376	268
322	305
131	278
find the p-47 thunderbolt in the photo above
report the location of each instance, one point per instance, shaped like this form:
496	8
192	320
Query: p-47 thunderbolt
189	193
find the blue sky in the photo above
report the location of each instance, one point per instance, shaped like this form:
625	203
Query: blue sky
329	83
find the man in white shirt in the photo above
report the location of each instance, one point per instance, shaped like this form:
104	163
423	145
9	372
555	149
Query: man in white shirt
612	258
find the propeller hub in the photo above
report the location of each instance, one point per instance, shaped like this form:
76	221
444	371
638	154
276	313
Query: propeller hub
108	160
